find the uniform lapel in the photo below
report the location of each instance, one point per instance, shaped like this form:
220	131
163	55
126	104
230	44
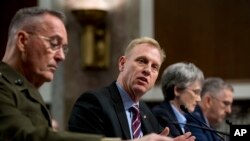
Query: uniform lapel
34	95
24	87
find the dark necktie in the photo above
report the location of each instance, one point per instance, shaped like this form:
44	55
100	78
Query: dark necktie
136	121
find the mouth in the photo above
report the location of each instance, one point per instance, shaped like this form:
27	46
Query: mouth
143	79
52	68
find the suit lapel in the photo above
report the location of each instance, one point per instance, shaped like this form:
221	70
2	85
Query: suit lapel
146	126
119	109
199	114
176	130
123	121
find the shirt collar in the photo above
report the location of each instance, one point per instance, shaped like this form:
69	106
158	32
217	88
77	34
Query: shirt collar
127	101
180	117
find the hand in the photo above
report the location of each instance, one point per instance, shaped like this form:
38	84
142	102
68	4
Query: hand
165	132
155	137
163	137
185	137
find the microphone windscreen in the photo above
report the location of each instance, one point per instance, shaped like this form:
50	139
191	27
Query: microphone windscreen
184	109
228	122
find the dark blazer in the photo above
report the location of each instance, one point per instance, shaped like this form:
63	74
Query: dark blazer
200	134
23	114
102	112
166	117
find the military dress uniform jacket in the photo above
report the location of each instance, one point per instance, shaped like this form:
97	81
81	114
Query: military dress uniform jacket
23	114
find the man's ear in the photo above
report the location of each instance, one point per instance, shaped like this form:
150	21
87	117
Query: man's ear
21	39
122	61
207	100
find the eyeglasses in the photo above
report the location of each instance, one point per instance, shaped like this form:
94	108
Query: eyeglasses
195	91
54	41
225	103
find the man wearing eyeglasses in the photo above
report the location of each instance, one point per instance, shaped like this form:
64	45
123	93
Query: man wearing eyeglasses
37	43
215	105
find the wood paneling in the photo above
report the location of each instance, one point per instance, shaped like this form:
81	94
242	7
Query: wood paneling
215	35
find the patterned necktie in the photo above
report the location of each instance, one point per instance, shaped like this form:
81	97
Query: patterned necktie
136	121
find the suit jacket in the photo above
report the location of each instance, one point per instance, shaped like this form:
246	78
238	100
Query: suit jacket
166	117
200	134
23	114
102	112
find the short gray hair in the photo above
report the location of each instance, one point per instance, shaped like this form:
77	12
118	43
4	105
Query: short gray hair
24	15
179	75
214	85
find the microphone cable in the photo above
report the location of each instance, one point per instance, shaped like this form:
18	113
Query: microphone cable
184	109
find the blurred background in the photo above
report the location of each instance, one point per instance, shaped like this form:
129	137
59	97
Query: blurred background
215	35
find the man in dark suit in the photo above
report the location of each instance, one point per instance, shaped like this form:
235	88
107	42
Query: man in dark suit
201	134
181	84
108	110
37	43
215	105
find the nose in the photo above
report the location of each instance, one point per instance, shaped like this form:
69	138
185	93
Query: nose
198	98
60	55
228	109
146	70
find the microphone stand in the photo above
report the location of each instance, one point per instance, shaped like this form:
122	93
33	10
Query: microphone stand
197	126
184	109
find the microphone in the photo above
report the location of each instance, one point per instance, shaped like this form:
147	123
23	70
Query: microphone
184	109
200	127
228	122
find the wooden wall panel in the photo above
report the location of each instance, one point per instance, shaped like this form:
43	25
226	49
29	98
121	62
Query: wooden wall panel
215	35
